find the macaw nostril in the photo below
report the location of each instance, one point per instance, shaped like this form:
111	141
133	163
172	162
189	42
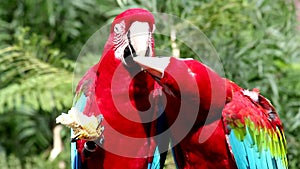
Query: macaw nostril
147	52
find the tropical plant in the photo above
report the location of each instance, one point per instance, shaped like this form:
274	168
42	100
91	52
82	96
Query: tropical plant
35	86
257	42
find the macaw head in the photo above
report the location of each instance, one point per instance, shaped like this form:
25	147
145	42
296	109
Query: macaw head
131	34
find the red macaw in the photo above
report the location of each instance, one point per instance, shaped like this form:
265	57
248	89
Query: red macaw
112	113
227	126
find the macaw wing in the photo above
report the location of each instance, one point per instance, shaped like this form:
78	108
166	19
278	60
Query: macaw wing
75	156
161	148
84	103
158	159
158	127
254	132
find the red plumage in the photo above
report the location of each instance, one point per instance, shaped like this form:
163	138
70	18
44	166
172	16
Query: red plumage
122	94
189	153
226	125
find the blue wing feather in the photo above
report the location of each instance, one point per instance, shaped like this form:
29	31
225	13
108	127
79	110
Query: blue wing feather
254	146
238	148
160	152
75	156
249	156
80	103
156	160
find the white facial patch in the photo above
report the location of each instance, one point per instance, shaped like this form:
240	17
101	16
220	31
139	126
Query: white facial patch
120	40
140	37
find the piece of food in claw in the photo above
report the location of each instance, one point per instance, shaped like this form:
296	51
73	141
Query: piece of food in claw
84	127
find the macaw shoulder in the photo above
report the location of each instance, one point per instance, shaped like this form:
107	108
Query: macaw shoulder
84	99
89	78
243	103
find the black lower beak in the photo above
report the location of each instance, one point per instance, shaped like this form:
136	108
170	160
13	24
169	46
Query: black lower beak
129	51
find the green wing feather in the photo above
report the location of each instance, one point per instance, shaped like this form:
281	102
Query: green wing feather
254	132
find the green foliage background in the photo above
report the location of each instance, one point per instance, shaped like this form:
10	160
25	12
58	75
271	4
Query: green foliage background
257	41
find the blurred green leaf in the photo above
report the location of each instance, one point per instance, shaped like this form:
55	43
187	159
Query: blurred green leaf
257	42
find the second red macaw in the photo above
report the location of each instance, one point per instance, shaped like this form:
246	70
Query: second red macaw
227	126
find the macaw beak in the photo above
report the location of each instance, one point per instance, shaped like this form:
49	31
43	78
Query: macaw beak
154	65
139	41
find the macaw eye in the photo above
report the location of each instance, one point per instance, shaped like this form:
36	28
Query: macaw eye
119	27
